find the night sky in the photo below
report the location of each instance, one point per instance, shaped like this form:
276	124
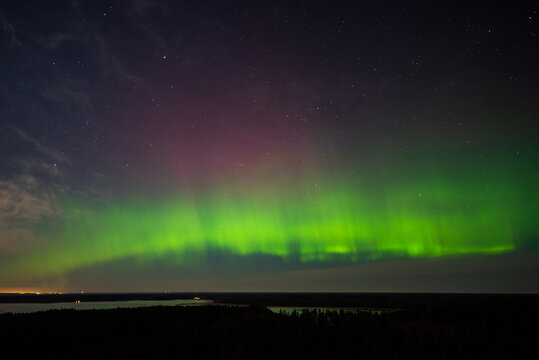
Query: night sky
269	146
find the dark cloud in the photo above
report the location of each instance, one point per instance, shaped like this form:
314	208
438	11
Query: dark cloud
509	273
515	273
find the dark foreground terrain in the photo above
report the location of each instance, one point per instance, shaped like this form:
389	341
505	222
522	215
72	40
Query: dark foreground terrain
503	327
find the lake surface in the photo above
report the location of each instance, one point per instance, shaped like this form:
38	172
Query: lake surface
94	305
18	308
300	309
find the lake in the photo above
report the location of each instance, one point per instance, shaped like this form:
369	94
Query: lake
299	309
101	305
94	305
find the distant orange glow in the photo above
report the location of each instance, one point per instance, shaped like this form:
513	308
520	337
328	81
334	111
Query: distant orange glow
19	291
29	291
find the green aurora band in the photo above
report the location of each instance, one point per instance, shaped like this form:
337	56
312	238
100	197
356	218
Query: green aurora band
329	221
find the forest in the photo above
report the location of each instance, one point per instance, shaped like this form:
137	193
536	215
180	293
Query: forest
448	331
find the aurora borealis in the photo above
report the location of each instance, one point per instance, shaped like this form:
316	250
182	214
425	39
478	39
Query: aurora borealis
341	223
219	147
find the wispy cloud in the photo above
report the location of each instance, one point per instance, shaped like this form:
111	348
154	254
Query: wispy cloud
70	93
10	31
24	203
50	153
53	41
111	64
29	193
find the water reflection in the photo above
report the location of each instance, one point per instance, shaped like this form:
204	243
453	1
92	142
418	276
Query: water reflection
95	305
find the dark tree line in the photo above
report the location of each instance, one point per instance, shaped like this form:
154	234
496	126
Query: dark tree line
449	332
